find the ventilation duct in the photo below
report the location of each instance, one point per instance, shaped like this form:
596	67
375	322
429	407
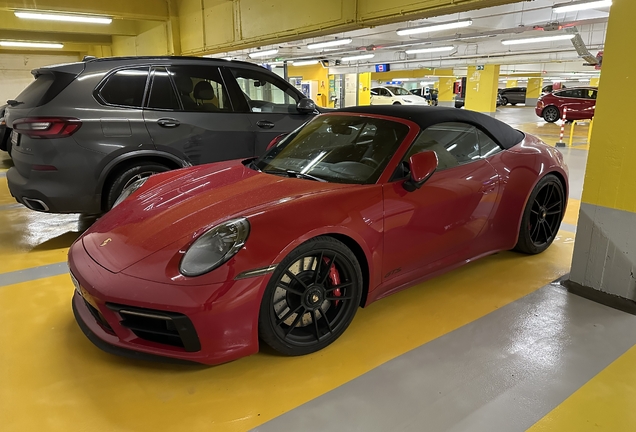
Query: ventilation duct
580	47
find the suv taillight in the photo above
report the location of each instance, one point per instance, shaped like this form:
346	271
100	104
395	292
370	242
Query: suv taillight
47	127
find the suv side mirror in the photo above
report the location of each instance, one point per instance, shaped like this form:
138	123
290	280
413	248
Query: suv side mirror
422	166
306	106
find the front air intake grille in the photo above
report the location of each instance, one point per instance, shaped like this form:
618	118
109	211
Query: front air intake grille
99	318
168	328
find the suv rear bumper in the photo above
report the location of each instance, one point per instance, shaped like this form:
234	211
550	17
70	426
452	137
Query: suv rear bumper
55	195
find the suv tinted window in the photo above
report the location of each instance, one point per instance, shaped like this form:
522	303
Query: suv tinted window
162	94
125	87
200	88
45	87
264	93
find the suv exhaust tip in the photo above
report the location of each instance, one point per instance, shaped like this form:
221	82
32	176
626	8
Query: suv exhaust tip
35	204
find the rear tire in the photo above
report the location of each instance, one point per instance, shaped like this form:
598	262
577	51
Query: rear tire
504	101
396	103
542	216
128	175
551	114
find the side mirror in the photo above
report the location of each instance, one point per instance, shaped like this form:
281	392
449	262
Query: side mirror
275	141
422	166
306	106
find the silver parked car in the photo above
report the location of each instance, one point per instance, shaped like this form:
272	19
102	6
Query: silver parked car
82	132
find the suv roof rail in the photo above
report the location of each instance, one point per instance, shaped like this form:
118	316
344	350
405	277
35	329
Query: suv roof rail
88	58
168	58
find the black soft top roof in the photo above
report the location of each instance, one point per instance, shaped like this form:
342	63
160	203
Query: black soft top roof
426	116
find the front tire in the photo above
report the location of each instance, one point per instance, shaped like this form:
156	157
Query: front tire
504	101
551	114
129	175
542	216
396	103
311	298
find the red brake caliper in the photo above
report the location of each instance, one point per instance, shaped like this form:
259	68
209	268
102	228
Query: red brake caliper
334	277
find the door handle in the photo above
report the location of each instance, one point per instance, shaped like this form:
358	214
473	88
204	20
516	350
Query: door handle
265	124
168	122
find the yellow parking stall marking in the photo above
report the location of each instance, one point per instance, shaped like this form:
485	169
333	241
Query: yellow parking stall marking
606	403
5	195
572	212
53	378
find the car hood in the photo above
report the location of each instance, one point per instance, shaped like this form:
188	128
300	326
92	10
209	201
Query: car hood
175	207
415	99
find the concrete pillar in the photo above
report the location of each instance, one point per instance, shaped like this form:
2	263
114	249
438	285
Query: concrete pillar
364	88
604	262
446	97
594	81
533	91
481	89
512	83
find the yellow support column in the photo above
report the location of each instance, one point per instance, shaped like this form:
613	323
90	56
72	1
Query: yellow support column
533	91
446	97
364	88
481	88
512	83
604	259
594	82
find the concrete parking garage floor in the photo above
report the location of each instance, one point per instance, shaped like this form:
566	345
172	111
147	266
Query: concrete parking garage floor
494	345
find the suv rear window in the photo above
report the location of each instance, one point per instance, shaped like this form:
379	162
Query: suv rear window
45	87
125	87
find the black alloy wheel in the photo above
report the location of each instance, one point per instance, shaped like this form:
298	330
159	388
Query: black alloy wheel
551	114
504	101
128	176
311	298
542	216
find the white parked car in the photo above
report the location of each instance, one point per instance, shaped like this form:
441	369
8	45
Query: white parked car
391	95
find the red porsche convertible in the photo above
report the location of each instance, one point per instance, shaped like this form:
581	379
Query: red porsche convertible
201	263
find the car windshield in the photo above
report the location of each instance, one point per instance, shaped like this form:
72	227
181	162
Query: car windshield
399	91
336	148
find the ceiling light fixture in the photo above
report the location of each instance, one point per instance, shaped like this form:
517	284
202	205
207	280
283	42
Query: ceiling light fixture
537	39
21	44
430	50
79	18
328	44
434	27
305	62
358	57
581	5
266	53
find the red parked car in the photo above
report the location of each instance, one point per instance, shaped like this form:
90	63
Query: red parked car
580	103
201	263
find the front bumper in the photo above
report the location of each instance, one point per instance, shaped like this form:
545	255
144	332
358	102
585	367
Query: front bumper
223	317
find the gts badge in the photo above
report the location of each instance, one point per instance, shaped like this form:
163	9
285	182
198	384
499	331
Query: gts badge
105	242
392	273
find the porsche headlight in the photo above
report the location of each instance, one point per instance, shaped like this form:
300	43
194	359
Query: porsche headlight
129	190
215	247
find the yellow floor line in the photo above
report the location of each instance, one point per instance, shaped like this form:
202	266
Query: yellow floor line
606	403
5	195
572	212
54	379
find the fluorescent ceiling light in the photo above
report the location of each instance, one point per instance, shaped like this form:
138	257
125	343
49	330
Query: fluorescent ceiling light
434	27
328	44
358	57
537	39
266	53
305	62
578	6
91	19
19	44
430	50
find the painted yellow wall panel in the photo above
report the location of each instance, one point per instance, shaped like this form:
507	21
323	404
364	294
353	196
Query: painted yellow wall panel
511	83
219	21
533	90
364	88
401	10
191	25
481	89
594	82
446	87
124	46
315	73
153	42
610	179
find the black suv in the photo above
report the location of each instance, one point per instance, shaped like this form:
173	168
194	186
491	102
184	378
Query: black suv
513	95
82	132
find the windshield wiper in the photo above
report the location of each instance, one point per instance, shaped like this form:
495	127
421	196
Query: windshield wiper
298	174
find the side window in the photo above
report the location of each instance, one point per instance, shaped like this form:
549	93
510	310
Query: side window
200	88
265	93
374	92
125	87
454	143
572	94
487	146
384	92
162	94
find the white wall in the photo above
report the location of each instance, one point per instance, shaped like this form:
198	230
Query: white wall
15	71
